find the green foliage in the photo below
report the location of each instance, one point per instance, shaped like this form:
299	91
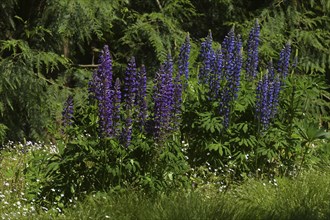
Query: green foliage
21	178
7	22
305	197
88	163
304	23
22	88
36	75
79	23
157	31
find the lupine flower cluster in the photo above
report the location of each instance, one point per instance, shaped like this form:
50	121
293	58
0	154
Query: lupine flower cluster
232	53
268	90
283	63
167	95
220	71
211	69
276	86
163	98
102	90
118	112
130	88
216	75
183	69
116	107
130	83
141	99
252	61
183	62
67	113
232	56
207	58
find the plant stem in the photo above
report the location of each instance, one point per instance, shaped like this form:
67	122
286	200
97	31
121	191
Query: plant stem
159	5
303	157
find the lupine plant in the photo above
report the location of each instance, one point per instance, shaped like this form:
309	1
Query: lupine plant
220	71
102	90
130	96
206	58
163	98
268	89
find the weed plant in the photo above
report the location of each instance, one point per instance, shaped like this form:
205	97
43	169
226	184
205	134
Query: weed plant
20	179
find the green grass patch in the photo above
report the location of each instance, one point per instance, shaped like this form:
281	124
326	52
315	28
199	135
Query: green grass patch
304	197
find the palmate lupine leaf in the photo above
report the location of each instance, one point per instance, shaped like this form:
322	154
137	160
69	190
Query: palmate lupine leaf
210	122
311	132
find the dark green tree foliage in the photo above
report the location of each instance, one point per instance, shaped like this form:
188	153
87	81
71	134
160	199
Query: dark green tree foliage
24	89
305	23
7	23
154	32
35	71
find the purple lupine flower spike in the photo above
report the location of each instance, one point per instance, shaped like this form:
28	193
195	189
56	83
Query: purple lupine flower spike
206	56
142	97
284	61
130	83
268	90
215	76
252	60
101	89
232	63
158	94
105	103
183	62
116	109
262	102
130	100
238	60
168	98
164	100
229	56
67	113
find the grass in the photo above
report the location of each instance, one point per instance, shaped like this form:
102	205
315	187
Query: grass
303	197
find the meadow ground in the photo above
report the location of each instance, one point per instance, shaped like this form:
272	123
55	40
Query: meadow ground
306	196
